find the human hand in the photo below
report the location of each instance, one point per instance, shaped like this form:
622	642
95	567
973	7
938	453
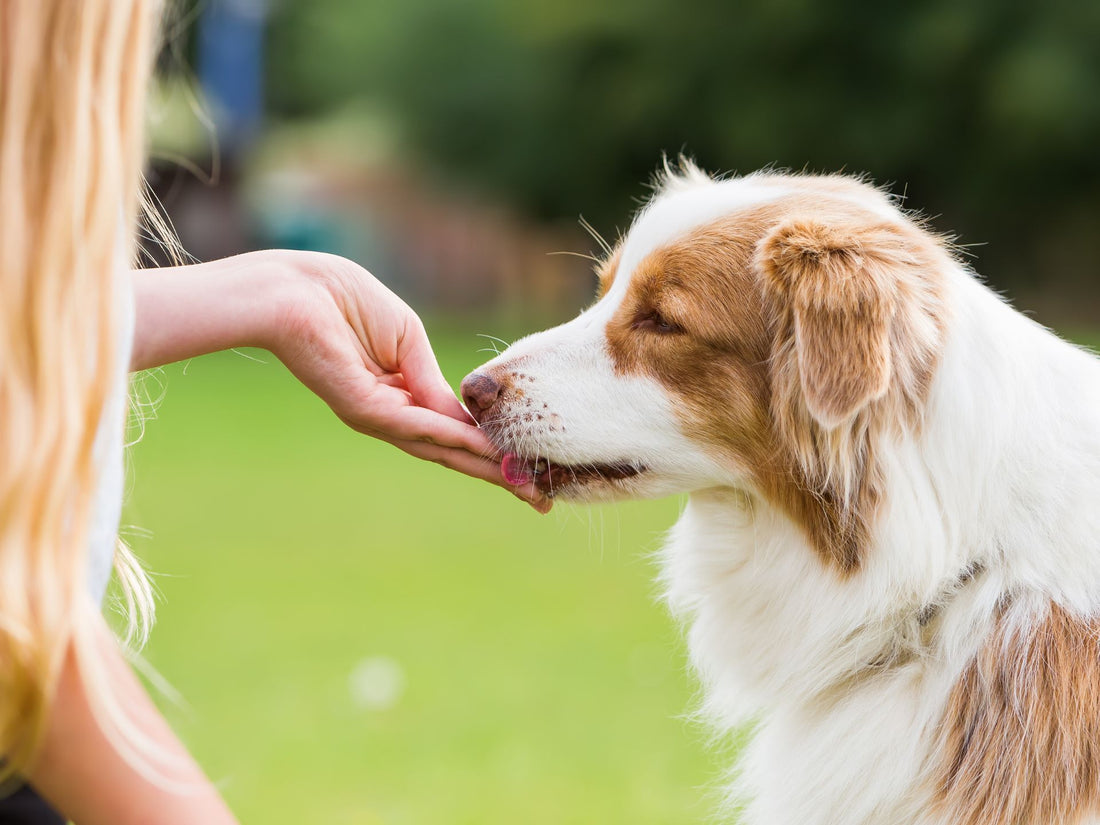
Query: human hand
340	331
364	352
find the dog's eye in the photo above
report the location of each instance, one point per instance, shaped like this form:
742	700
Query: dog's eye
652	321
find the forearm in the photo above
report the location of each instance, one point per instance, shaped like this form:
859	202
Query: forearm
81	773
182	312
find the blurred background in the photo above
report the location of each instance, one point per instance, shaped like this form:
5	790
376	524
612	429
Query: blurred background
361	639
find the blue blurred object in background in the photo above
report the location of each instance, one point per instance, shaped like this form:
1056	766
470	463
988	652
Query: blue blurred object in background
231	69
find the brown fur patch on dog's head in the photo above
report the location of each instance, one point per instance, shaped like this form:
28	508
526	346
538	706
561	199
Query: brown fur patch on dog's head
793	335
838	288
859	325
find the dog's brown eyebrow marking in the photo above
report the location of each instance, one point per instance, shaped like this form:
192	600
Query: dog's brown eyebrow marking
607	270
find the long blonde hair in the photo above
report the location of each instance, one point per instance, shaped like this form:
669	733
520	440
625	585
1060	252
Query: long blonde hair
73	77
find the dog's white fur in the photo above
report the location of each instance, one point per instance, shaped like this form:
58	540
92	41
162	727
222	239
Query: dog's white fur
990	516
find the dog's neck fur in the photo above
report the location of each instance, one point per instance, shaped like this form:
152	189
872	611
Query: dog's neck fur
781	639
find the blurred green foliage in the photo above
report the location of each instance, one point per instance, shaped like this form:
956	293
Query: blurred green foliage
986	112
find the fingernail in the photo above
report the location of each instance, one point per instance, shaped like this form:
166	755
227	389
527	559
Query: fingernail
542	505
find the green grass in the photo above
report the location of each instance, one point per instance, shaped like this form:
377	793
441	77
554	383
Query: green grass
543	681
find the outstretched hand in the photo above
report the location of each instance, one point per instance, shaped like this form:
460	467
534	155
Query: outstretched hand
366	354
340	331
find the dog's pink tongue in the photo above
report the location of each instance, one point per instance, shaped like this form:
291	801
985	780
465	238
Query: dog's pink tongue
516	470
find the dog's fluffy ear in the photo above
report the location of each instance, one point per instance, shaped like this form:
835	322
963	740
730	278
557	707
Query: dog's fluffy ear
833	289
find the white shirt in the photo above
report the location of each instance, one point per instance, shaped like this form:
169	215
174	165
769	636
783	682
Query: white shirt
108	450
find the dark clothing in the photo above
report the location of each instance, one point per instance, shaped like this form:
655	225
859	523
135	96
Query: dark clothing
25	807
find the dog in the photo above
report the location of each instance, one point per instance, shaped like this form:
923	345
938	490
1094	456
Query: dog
889	560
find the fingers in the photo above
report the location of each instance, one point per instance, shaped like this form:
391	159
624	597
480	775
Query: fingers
418	365
393	380
475	466
429	435
392	418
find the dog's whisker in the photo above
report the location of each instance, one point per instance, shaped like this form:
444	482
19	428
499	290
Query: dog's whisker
494	339
583	255
597	237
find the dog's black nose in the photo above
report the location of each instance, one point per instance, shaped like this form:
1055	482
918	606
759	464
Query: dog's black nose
480	392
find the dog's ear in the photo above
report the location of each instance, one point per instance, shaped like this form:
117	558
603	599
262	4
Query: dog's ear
833	288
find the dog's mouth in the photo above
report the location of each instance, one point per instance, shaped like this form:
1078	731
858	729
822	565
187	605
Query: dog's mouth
551	477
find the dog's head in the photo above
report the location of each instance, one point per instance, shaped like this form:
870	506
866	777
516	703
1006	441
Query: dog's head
763	333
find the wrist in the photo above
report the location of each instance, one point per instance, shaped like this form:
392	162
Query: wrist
182	312
294	285
272	288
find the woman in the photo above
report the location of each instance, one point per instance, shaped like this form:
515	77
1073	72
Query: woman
73	320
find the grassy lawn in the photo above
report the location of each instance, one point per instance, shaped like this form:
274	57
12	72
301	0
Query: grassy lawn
363	638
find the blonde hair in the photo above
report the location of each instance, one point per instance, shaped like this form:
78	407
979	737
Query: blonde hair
73	76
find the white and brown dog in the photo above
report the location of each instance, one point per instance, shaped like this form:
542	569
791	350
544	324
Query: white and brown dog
890	559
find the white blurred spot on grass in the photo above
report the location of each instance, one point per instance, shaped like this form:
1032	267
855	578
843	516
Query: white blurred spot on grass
377	683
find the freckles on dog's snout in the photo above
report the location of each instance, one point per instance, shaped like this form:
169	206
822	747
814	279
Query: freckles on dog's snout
480	392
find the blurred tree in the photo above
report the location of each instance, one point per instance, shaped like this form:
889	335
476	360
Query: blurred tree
987	111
